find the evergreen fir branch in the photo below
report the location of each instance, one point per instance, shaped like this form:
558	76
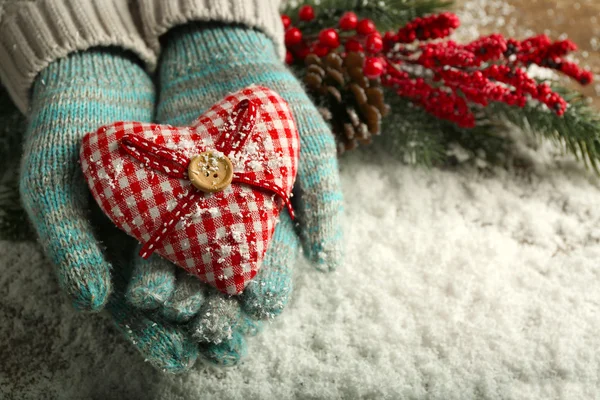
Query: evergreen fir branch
387	14
484	141
578	130
412	134
418	137
393	14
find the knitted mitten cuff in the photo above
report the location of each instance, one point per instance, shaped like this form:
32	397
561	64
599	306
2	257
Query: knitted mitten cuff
72	96
33	34
159	16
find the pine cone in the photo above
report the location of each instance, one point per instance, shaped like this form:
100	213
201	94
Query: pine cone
349	101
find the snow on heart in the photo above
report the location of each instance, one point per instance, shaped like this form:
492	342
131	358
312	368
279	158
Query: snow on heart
135	172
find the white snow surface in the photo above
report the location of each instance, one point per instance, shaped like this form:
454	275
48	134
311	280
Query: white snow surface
464	283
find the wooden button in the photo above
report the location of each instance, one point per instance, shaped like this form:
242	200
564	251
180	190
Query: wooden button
210	172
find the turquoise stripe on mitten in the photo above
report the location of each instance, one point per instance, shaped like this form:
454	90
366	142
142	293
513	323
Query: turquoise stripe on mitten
72	96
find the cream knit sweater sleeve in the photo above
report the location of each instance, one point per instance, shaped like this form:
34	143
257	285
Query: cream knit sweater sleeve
33	33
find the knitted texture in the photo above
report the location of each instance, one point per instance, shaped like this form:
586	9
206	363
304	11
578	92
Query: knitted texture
197	68
159	16
267	296
157	286
162	344
35	33
72	96
165	346
229	352
186	300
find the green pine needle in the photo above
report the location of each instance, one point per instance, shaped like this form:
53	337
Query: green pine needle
419	138
411	134
387	14
578	130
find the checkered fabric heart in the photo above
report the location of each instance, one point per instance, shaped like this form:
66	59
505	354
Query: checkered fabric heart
137	172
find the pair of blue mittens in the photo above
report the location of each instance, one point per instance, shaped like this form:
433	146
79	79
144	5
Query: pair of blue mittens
168	315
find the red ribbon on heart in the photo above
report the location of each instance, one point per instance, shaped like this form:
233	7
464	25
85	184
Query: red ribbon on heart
238	129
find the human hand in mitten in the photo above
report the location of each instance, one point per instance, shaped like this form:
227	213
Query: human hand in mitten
199	66
72	96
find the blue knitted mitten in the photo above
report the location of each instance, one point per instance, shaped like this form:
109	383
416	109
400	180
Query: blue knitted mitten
199	66
73	96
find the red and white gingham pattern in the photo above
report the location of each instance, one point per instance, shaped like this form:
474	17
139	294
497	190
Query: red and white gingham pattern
225	236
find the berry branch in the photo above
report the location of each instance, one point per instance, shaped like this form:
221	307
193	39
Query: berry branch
418	62
387	14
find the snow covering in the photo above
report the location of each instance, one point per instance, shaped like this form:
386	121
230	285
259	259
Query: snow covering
469	283
458	284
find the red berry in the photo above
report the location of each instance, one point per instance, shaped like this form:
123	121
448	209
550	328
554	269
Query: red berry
321	50
306	13
329	37
365	27
293	36
373	67
348	21
353	45
289	58
374	43
390	39
586	78
286	20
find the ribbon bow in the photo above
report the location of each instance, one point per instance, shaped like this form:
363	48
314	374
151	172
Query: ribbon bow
237	130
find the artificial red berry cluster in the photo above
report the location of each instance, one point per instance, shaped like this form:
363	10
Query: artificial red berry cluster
542	51
431	27
445	78
352	33
489	69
